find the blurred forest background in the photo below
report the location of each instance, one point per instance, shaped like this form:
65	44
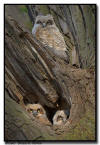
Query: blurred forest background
77	23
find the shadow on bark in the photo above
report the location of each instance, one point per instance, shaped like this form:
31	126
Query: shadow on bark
33	73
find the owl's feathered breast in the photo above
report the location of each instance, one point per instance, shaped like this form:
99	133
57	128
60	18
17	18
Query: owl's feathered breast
51	37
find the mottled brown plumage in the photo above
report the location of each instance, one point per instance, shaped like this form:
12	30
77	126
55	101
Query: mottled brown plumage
38	112
59	118
46	31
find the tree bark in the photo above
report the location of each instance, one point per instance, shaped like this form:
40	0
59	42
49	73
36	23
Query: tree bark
77	23
34	74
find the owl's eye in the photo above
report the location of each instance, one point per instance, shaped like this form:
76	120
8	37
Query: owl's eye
31	110
38	110
49	22
39	22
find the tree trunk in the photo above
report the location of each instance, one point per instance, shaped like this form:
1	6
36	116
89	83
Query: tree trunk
34	74
19	125
77	23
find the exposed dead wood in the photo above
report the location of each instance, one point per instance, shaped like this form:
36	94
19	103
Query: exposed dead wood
34	74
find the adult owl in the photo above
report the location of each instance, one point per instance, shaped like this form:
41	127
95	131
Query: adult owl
46	31
59	118
38	112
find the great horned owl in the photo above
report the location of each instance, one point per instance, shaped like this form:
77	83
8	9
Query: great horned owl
46	31
38	112
59	118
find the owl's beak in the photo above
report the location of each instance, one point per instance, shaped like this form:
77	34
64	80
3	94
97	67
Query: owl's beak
35	113
44	25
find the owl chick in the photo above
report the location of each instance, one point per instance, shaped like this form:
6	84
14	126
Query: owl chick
38	112
59	118
46	31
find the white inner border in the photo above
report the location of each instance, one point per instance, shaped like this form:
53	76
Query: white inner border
2	51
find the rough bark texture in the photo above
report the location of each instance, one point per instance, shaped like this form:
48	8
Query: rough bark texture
34	74
77	23
19	126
